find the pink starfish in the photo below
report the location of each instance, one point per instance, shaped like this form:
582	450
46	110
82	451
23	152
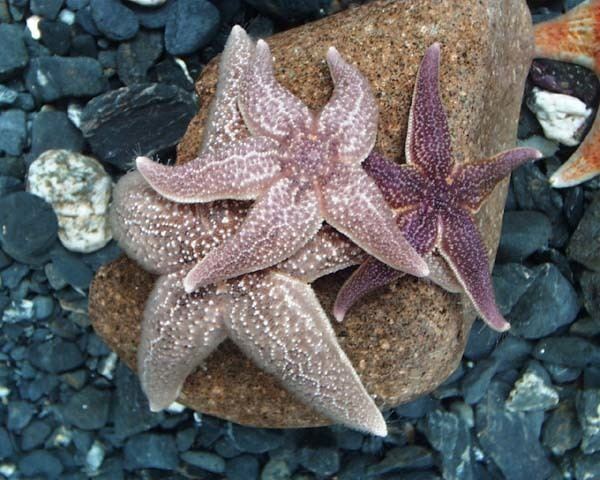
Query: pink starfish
300	167
575	37
435	200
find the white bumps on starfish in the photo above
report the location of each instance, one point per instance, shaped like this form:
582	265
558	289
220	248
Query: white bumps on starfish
272	315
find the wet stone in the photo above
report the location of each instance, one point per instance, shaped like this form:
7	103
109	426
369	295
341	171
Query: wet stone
56	36
153	17
46	8
13	54
151	450
19	415
8	97
561	431
136	56
584	246
549	303
35	434
88	408
562	374
224	447
400	459
475	383
10	185
587	467
53	129
533	391
204	460
114	19
254	440
6	446
40	462
55	356
12	275
588	412
569	351
523	233
322	461
191	24
244	467
290	10
591	377
71	268
13	131
417	408
482	341
590	286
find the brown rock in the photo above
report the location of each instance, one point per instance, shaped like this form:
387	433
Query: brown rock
406	340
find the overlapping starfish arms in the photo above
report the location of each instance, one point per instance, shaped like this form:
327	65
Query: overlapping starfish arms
574	37
434	201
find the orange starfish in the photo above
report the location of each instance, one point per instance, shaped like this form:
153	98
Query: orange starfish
575	37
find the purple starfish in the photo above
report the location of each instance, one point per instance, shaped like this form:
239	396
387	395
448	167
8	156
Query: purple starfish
435	200
300	167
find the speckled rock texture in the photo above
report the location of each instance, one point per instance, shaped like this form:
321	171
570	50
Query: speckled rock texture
407	339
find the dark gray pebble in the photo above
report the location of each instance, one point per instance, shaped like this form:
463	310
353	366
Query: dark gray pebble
53	130
12	276
244	467
585	327
475	383
184	438
88	409
584	246
224	447
417	408
322	461
85	20
40	462
71	268
35	434
587	467
84	45
46	8
482	340
523	232
13	131
588	406
590	286
569	351
153	18
136	56
114	20
205	460
43	306
20	414
254	440
151	450
561	431
55	355
125	122
52	78
169	72
291	11
8	97
276	469
549	303
6	446
401	459
562	374
56	36
10	185
28	226
12	167
13	54
191	24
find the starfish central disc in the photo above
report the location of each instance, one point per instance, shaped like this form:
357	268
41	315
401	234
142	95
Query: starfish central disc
305	159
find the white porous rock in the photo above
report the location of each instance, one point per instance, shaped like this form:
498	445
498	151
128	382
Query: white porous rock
561	116
78	188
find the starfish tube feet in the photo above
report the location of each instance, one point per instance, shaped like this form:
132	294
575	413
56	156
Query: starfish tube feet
179	331
307	358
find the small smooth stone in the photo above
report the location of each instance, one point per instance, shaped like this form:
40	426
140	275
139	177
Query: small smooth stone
53	130
35	434
40	462
322	461
224	447
588	408
124	120
190	26
55	356
562	374
153	17
523	233
72	269
13	54
43	306
10	185
12	167
561	431
12	276
587	467
151	450
476	381
88	408
6	446
84	45
114	20
136	56
533	391
569	351
84	19
244	467
184	438
204	460
7	96
450	435
28	226
19	415
46	8
13	131
53	78
254	440
549	303
533	192
482	341
590	286
585	327
56	36
79	189
402	458
584	246
417	408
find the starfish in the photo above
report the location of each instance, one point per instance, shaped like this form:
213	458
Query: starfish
300	167
272	315
573	37
435	200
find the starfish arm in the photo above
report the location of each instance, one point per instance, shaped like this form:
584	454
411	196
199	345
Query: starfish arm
428	144
441	274
473	182
327	252
162	236
279	323
401	185
267	108
278	225
239	172
371	275
179	331
352	204
462	248
348	123
224	123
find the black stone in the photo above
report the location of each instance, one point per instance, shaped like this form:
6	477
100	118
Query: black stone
562	374
114	20
40	462
591	377
71	268
322	461
549	303
291	11
138	120
584	246
84	19
523	232
20	414
417	408
502	433
574	205
46	8
254	440
561	431
569	351
244	467
6	446
205	460
84	45
12	276
400	459
13	132
588	406
28	225
52	78
169	72
449	434
155	17
13	54
482	340
56	36
151	450
136	56
35	434
10	185
88	409
590	286
476	381
191	25
224	447
52	129
55	356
